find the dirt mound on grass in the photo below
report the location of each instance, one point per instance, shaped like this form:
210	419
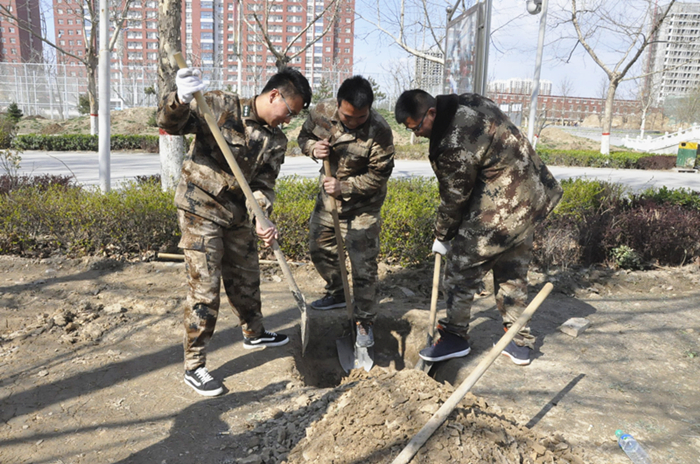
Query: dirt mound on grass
379	412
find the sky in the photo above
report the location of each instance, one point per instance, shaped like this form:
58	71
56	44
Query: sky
512	52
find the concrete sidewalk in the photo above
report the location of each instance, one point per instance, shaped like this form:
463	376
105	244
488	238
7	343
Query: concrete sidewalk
127	165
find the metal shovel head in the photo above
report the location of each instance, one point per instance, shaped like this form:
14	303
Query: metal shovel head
353	357
422	364
304	321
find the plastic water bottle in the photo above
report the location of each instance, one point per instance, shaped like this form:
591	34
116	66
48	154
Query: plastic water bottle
633	449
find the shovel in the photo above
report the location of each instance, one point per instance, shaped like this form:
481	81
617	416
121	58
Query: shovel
350	355
259	214
451	403
422	364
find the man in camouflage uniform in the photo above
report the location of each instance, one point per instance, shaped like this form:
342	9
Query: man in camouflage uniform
493	190
359	144
216	223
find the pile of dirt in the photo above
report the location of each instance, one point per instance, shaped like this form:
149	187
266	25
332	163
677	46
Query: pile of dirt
554	138
130	121
375	415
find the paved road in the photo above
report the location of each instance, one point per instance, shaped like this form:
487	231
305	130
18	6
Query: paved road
124	166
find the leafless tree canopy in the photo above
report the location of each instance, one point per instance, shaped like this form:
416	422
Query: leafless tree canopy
257	17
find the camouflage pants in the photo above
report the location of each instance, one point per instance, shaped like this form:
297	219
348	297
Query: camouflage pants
464	278
214	253
361	236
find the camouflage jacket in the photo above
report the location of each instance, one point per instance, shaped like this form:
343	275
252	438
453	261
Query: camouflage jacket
361	159
492	183
208	187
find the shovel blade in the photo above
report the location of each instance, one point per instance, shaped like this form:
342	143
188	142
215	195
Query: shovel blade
352	357
422	364
304	320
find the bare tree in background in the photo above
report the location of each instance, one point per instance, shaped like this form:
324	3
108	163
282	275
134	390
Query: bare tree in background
565	90
258	17
610	30
87	14
414	25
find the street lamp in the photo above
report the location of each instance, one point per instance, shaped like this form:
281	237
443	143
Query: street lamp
535	7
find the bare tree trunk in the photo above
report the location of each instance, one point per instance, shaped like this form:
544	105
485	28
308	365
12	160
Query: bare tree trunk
92	95
607	117
171	147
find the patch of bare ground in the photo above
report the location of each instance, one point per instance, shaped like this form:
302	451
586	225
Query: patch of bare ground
91	362
131	121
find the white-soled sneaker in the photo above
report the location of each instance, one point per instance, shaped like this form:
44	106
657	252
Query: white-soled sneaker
203	383
265	339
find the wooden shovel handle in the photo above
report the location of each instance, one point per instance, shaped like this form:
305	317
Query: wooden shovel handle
448	406
434	295
260	216
339	243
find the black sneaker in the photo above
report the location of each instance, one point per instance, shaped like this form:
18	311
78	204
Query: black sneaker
265	339
520	355
447	346
365	335
202	382
329	302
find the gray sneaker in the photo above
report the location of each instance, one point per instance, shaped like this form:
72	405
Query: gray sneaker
365	334
520	355
329	302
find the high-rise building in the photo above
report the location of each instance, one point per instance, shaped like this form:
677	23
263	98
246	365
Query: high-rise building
289	27
213	29
17	44
673	58
429	73
519	86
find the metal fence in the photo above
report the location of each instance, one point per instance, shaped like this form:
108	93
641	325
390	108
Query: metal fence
53	91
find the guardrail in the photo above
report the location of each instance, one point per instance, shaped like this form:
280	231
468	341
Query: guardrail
665	144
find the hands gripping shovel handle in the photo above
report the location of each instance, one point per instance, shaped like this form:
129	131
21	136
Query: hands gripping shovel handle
259	214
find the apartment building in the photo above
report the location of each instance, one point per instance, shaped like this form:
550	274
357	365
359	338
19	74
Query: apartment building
288	24
213	29
563	109
17	45
429	73
518	85
674	54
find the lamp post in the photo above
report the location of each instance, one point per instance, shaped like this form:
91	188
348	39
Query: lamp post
535	7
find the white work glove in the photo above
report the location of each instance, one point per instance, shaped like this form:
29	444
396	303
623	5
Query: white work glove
441	247
189	81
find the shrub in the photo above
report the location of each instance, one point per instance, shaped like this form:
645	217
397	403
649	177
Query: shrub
83	103
679	197
84	142
663	233
408	217
9	183
132	220
152	122
295	202
626	258
590	158
14	114
656	162
595	222
8	129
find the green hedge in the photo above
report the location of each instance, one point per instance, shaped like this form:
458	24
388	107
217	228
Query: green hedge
596	222
591	158
83	142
